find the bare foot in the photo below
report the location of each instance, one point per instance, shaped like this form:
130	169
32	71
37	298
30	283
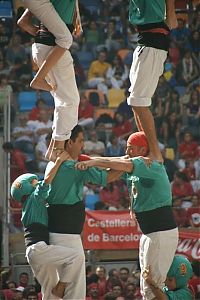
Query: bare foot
59	289
28	27
41	84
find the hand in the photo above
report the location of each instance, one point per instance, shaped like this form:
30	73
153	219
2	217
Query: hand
84	165
78	31
146	274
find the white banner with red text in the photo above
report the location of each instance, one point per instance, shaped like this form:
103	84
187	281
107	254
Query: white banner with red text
114	230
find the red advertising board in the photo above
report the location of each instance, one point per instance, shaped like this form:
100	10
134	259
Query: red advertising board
109	230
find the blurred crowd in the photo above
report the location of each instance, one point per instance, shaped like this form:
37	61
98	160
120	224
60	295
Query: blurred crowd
102	284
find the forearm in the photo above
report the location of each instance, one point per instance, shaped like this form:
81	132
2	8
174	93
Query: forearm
170	14
51	174
159	294
123	165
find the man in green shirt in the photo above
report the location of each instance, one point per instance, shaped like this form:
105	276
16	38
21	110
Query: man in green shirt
151	201
153	21
33	194
66	209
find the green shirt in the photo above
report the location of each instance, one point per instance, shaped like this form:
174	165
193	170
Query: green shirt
146	11
149	187
181	294
67	185
34	209
65	9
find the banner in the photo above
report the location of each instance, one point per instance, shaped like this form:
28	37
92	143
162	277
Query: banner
114	230
189	244
110	230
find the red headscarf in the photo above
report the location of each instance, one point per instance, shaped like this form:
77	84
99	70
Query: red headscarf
138	139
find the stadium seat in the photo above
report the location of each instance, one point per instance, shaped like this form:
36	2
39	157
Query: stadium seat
169	153
26	101
115	97
6	10
85	58
90	201
47	97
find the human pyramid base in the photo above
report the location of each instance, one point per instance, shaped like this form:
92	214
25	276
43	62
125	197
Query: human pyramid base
52	232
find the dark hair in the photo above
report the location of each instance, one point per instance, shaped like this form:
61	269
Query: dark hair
125	269
75	132
40	100
23	273
32	294
7	146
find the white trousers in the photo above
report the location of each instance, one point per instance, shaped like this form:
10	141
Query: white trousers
147	67
46	13
66	260
66	96
75	290
157	250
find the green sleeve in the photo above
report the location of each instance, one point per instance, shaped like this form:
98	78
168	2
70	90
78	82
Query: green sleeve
95	176
142	170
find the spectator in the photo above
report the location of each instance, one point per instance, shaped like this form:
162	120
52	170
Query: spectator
131	292
97	73
193	113
114	147
169	164
186	70
23	280
41	127
32	296
15	50
171	131
117	73
117	290
188	151
92	36
4	36
17	161
101	273
110	196
173	104
122	128
113	37
93	146
40	152
24	136
123	275
85	112
112	279
195	280
35	112
180	214
93	292
180	35
181	187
